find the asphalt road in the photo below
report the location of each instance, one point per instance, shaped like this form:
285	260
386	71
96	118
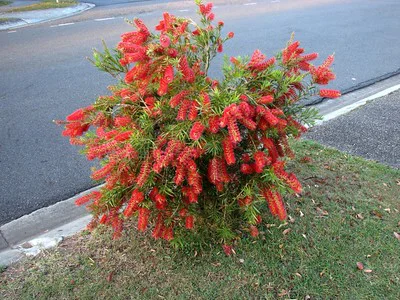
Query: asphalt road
362	131
45	76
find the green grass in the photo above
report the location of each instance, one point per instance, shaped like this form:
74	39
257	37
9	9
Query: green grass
347	213
44	4
2	3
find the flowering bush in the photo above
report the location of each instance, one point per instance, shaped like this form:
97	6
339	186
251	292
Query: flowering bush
182	151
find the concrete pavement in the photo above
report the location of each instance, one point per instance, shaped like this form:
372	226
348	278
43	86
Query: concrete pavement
26	18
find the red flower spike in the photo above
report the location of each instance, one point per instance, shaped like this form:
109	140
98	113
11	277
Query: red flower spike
122	121
168	233
229	154
189	222
159	227
265	99
144	173
137	197
104	171
187	72
164	41
309	57
213	172
245	201
213	124
77	115
231	34
233	130
85	199
143	218
246	169
227	249
177	99
193	112
196	131
183	110
123	136
254	231
328	62
329	93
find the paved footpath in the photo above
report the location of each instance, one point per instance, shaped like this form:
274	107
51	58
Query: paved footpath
371	131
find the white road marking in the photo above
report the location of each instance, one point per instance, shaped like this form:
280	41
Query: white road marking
348	108
251	3
183	10
12	31
275	1
63	24
104	19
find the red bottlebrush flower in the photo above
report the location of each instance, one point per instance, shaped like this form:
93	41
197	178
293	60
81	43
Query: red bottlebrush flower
210	17
235	61
321	75
206	100
258	219
95	195
229	153
159	227
193	112
233	130
246	157
123	136
309	57
205	9
275	203
220	23
266	99
213	124
220	48
161	201
261	160
168	233
196	32
143	218
75	129
181	116
245	201
163	87
144	173
136	198
172	52
122	121
246	169
254	231
290	52
270	146
164	41
329	93
328	62
104	171
294	183
104	219
77	115
213	172
187	72
189	222
231	34
140	25
256	58
196	131
227	249
177	99
169	74
304	66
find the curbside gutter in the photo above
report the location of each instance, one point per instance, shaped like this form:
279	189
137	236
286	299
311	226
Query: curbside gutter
26	18
42	229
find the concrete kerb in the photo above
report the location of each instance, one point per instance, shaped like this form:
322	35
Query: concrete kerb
42	229
27	18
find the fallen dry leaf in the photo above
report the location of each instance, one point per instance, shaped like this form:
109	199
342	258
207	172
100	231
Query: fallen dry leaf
291	219
286	231
396	235
385	184
322	212
360	266
241	260
301	214
110	276
377	214
360	216
298	275
367	271
387	209
283	293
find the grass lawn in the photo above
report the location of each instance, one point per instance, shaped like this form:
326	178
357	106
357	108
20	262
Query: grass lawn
2	3
44	4
348	213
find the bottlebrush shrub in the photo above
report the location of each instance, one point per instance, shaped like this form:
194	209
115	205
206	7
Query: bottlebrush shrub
184	152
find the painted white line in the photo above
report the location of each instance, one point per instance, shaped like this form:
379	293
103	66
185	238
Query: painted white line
104	19
275	1
12	31
63	24
251	3
183	10
348	108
